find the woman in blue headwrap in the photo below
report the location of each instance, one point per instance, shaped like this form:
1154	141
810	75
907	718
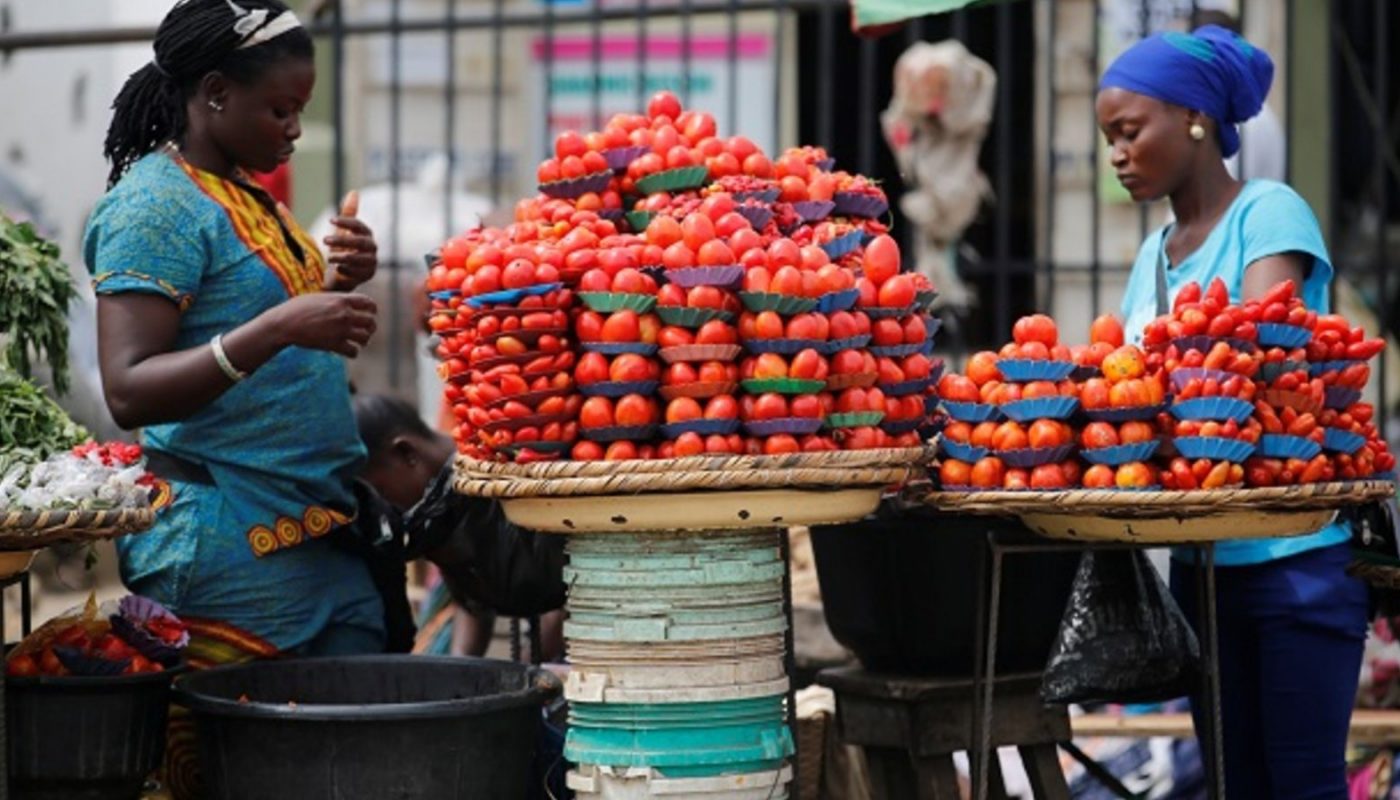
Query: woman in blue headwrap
1292	622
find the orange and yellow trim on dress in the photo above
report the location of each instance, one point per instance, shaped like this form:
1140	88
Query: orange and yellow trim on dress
183	301
315	522
260	232
162	495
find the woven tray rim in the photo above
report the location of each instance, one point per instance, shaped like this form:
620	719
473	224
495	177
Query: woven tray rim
30	530
846	469
704	463
1164	504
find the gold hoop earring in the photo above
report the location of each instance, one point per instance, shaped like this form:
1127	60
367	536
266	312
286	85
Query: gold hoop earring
1198	132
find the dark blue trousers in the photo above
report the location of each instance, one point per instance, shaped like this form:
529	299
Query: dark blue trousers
1291	637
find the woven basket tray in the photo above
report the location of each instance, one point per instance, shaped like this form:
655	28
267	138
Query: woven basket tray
1153	505
32	530
1170	517
860	468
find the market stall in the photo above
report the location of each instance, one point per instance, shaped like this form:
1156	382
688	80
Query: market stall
56	487
681	345
676	351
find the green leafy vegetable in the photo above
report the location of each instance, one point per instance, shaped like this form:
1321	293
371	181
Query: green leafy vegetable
32	426
35	289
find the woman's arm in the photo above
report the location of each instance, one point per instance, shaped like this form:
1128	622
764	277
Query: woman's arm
147	382
1268	272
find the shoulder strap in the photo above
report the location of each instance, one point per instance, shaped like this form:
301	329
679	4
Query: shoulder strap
1163	302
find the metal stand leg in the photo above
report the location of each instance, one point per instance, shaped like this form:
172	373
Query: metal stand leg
790	651
979	658
4	742
1211	655
26	610
1212	737
983	742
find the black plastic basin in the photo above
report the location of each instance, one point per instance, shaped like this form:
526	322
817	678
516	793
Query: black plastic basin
76	738
900	592
372	727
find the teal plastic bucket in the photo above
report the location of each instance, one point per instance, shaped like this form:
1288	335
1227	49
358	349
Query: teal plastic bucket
662	543
708	573
681	739
666	629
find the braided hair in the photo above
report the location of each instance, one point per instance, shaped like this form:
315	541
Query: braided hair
196	38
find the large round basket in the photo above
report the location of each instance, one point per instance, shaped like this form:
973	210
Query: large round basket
1161	517
22	533
693	493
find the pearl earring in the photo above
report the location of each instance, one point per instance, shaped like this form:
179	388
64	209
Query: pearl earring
1198	132
215	106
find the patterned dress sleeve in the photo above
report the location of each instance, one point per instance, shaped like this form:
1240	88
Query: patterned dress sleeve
145	242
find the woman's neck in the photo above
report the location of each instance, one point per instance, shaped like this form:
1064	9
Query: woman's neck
204	156
1204	195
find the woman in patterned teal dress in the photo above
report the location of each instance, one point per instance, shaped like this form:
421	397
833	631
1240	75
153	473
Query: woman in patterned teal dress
222	331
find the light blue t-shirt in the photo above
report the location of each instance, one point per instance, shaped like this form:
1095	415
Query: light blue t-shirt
1266	219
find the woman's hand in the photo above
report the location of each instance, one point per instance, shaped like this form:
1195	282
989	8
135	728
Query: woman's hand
353	254
337	322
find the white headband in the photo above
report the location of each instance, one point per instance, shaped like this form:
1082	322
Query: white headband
254	26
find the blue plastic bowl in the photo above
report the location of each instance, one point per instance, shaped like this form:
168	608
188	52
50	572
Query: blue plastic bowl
1022	370
617	433
1324	367
1041	408
785	347
619	348
1213	408
897	350
831	302
1339	398
704	427
1214	448
1121	454
963	452
906	387
843	245
618	388
1276	445
1340	441
1035	456
834	346
971	412
1289	337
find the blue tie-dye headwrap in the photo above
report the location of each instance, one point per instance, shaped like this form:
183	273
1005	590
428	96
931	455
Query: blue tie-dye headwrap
1212	70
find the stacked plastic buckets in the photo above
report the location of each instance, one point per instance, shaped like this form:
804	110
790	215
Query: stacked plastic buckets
677	686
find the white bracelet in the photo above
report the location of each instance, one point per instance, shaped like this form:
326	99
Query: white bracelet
217	345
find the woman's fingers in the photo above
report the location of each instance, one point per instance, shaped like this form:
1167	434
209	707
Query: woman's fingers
355	243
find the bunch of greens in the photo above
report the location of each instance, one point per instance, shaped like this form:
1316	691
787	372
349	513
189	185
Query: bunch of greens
35	289
32	426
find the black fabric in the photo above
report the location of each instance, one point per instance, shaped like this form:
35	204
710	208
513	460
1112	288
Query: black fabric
173	468
1123	638
486	561
1375	539
377	535
1163	302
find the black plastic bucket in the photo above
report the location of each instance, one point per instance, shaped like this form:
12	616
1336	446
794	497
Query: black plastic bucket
900	592
372	727
88	738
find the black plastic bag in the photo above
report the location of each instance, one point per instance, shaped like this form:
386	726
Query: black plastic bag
1123	639
1375	542
488	563
377	535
